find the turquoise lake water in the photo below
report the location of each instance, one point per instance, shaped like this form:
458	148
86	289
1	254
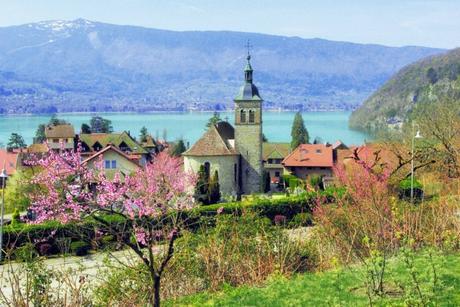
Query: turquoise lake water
329	126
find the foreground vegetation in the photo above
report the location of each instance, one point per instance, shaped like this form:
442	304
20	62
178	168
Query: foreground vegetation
344	287
374	241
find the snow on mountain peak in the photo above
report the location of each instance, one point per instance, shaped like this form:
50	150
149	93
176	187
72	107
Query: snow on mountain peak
64	25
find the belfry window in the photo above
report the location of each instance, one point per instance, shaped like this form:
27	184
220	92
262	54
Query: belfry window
251	116
242	116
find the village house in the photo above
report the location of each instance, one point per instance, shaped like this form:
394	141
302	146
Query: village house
60	136
9	161
273	154
94	142
309	159
113	160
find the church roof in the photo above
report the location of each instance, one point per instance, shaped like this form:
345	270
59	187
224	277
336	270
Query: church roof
217	141
248	92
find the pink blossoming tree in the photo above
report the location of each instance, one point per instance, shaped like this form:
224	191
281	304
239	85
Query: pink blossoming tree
361	224
150	202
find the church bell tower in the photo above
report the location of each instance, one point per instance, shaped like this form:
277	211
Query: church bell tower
248	133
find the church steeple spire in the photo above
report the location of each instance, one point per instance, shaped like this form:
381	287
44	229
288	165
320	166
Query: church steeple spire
248	68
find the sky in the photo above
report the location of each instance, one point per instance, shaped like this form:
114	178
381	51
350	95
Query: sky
431	23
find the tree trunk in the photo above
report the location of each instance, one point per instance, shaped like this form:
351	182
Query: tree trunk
156	286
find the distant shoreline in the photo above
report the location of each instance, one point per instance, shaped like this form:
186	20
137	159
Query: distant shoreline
165	112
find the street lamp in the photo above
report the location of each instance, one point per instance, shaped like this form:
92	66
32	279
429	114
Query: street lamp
414	136
3	177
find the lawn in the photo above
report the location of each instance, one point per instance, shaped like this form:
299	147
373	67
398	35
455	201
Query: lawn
341	287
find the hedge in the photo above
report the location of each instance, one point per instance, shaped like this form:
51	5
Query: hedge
50	232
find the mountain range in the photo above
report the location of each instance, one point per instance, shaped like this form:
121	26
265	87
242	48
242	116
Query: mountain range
86	66
432	79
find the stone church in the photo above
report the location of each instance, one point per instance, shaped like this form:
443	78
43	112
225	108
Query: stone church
235	152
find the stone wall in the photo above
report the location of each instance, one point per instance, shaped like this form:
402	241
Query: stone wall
249	145
225	166
304	172
248	142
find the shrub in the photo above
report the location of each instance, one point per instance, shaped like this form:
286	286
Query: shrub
45	249
405	189
301	220
21	233
237	250
80	248
107	241
15	218
279	220
26	252
316	181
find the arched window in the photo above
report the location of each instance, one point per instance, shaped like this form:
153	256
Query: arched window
235	172
207	169
242	116
251	116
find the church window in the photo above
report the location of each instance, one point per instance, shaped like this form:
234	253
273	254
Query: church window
235	172
207	169
243	116
251	116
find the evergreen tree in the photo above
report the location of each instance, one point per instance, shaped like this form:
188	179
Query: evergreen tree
100	125
299	133
85	128
143	134
266	182
40	136
215	118
201	187
214	189
16	141
178	149
264	138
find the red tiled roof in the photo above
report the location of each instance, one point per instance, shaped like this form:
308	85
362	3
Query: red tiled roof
366	153
310	155
339	145
9	161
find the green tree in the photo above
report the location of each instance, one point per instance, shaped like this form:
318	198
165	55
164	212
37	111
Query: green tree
299	133
432	75
40	136
17	190
143	134
202	185
16	141
215	118
266	182
264	138
54	121
85	128
214	189
178	149
100	125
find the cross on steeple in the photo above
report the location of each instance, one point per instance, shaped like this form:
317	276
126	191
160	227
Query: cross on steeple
248	46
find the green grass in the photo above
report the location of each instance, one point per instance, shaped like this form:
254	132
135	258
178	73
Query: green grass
338	287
